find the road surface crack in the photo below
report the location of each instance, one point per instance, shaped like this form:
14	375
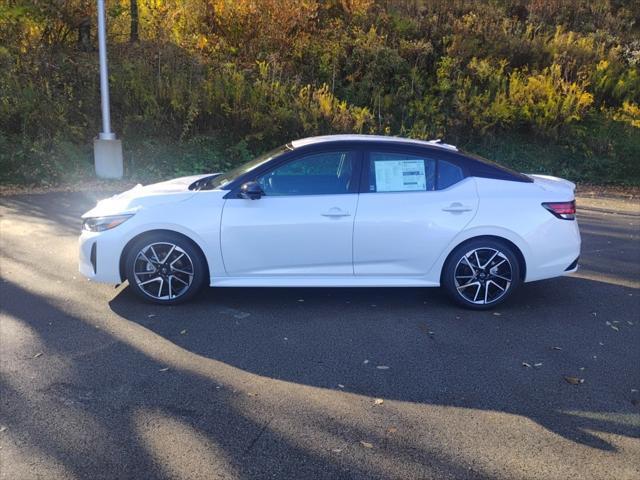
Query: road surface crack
257	437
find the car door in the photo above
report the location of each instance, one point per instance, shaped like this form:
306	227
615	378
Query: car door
302	225
411	208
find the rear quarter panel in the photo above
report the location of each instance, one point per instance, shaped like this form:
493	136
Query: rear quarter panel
513	210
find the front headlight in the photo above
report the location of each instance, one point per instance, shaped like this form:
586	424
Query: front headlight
100	224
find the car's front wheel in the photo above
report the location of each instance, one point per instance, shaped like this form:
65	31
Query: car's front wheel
165	268
482	273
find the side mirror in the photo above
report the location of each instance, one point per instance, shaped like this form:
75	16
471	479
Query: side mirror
251	191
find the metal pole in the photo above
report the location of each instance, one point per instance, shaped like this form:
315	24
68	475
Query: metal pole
107	151
106	133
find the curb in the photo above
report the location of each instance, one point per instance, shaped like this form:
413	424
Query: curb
606	210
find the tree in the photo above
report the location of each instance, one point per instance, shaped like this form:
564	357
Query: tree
133	32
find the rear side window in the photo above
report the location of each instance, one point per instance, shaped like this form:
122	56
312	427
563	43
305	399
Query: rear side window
400	172
448	174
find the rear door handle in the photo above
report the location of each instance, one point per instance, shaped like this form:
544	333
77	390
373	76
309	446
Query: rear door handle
336	212
457	207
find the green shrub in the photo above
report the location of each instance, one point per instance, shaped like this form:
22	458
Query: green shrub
551	87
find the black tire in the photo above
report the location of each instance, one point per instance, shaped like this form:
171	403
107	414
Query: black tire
167	261
480	288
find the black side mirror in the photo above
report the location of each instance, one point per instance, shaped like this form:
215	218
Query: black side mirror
251	191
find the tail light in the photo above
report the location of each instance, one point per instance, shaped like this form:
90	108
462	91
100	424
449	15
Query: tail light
563	210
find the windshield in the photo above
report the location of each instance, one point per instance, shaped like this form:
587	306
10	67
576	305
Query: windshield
231	175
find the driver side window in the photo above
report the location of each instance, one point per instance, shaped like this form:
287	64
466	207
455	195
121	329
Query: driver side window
326	173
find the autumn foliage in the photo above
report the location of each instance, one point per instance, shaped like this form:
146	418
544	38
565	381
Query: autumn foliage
551	86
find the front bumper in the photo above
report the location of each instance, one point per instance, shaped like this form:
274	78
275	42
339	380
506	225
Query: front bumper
99	256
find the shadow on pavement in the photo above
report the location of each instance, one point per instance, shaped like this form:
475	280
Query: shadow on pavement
436	354
256	377
90	422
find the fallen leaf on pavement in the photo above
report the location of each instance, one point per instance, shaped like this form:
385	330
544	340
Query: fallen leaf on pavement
378	401
573	380
382	367
366	444
426	330
165	369
39	354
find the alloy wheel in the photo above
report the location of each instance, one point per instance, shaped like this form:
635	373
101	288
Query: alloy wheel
483	276
163	271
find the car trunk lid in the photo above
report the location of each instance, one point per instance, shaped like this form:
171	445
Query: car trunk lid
554	184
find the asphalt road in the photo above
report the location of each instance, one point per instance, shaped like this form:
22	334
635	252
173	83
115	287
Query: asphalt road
282	383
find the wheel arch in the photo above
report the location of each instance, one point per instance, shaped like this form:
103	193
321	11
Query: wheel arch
522	263
127	248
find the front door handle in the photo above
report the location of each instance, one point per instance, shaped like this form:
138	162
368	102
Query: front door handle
336	212
457	207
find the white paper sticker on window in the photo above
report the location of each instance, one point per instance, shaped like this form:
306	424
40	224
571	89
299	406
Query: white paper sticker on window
400	175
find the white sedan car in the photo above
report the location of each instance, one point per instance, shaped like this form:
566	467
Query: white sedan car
339	211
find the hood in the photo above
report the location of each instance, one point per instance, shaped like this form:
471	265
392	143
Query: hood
132	200
553	184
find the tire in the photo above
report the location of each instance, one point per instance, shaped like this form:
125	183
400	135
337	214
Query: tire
481	274
165	268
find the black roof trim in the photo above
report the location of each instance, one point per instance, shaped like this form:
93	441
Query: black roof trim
473	165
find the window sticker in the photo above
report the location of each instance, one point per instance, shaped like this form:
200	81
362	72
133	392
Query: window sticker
400	175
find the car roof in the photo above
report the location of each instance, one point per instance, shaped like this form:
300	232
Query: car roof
370	138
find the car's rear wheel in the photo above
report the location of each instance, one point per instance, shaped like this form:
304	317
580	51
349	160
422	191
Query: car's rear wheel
165	268
482	273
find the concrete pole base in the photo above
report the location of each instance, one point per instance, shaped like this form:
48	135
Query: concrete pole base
107	155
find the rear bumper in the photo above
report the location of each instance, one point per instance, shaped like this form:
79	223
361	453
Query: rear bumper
556	251
573	267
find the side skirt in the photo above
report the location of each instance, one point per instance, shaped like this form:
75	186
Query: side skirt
322	282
